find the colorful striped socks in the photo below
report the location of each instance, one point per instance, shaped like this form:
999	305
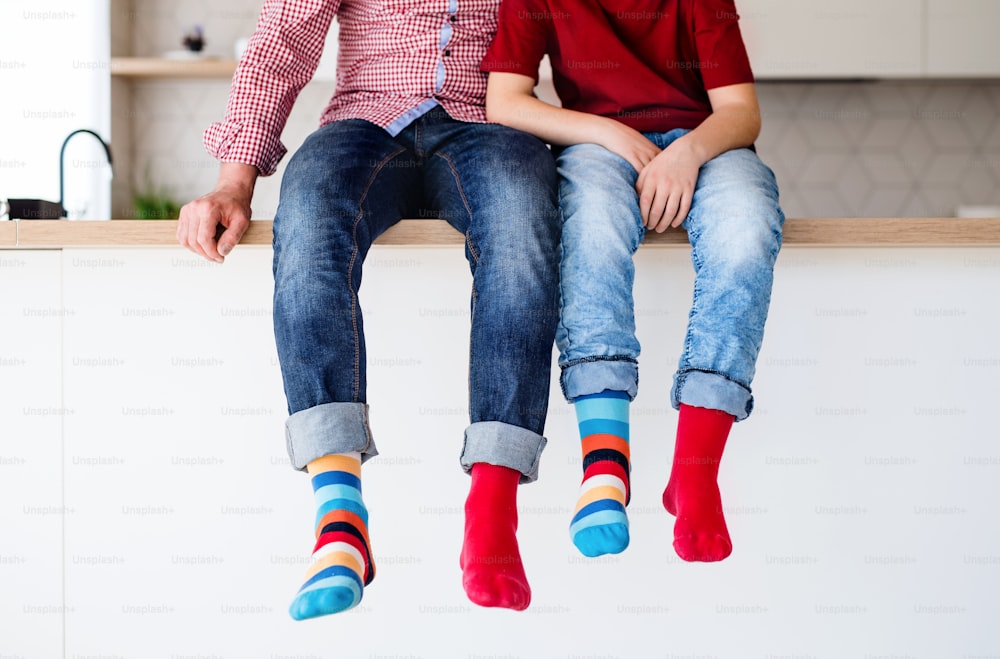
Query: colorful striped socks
342	561
600	524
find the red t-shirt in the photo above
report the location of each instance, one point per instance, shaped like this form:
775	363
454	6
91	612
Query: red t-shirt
646	63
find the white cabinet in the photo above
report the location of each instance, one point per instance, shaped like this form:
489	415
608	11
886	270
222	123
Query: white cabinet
186	533
174	456
31	466
847	39
962	38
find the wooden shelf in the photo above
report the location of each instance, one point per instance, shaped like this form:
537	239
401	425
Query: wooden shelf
801	232
152	67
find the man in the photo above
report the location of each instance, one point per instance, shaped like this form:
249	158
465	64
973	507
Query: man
404	134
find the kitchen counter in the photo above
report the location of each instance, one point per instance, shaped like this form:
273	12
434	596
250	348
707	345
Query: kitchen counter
8	234
818	232
143	429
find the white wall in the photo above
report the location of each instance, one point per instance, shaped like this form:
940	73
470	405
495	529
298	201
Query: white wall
54	59
860	496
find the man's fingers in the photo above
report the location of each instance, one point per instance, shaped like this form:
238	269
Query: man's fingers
194	221
206	235
212	225
238	225
181	234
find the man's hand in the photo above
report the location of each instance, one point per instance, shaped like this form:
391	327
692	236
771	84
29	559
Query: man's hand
666	187
227	206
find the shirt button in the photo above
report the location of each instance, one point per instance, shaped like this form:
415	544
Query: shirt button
447	53
452	18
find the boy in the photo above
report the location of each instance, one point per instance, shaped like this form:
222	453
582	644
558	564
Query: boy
656	129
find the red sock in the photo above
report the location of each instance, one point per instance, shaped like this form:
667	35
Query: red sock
692	493
492	573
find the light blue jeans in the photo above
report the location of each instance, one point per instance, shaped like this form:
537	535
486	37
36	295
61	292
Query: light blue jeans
734	227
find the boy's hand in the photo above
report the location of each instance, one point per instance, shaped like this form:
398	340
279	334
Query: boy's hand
628	143
666	187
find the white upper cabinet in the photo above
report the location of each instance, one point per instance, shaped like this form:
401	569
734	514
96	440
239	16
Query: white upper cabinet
843	39
818	39
963	38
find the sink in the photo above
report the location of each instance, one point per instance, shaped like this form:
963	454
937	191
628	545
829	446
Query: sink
39	209
34	209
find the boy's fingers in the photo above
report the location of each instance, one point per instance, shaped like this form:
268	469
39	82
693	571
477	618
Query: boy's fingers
682	213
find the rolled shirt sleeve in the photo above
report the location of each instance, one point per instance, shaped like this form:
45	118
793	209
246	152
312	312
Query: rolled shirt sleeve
279	61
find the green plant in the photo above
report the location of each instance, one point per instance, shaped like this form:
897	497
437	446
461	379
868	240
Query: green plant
154	203
153	206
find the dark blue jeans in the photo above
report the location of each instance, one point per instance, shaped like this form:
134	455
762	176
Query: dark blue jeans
349	182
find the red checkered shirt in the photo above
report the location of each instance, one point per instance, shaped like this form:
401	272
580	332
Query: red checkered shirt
396	59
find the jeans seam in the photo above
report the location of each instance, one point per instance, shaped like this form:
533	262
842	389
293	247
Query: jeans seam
350	269
592	359
696	259
638	234
560	325
290	445
368	430
472	253
465	201
599	358
685	371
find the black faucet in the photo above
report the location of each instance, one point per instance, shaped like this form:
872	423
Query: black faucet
39	209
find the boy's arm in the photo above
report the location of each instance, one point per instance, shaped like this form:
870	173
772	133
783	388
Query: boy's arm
666	185
510	101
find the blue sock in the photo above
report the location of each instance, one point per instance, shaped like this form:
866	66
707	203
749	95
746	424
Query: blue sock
600	525
342	562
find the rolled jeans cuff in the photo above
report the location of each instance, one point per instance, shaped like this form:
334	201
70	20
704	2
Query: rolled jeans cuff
504	445
594	375
329	429
712	391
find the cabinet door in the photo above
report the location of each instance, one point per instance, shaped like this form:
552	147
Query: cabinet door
32	505
169	364
846	39
962	38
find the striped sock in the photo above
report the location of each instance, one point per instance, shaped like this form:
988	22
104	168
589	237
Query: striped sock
342	561
600	525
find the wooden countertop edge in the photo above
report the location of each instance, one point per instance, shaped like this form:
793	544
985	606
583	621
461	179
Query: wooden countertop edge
156	67
8	234
816	232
